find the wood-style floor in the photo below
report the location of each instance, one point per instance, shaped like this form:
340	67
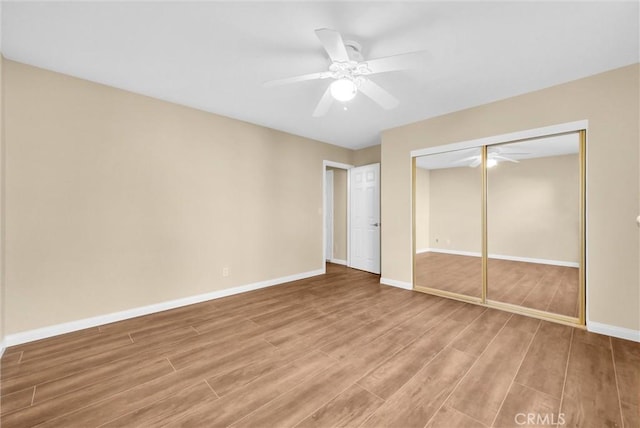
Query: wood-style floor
532	285
334	350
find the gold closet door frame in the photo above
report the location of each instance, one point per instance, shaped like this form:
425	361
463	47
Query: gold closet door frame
580	321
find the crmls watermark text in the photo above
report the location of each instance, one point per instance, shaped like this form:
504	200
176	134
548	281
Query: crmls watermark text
539	419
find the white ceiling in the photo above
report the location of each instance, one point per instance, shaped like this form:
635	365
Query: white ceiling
215	56
555	145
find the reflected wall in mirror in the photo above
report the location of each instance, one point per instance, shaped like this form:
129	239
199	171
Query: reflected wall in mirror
448	222
533	224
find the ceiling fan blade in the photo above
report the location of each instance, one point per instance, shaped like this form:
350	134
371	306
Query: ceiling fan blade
502	152
323	105
295	79
332	42
399	62
378	95
467	159
504	158
475	163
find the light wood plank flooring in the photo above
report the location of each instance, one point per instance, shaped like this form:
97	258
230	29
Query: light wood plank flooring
532	285
334	350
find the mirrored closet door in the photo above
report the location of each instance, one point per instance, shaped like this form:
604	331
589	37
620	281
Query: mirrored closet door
502	225
448	225
533	224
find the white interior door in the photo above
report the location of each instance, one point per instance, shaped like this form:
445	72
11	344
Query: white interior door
364	242
328	215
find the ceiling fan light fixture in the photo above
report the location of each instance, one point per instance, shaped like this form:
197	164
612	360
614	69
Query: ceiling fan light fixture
491	163
343	89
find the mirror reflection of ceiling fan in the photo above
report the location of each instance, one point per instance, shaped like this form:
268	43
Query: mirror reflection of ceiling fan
348	72
494	156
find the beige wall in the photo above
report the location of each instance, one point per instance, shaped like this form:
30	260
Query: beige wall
116	200
366	156
422	209
533	209
609	101
339	213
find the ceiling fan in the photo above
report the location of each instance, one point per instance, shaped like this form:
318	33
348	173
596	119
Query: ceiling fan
494	156
348	72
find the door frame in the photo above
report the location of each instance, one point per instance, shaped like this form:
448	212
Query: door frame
347	167
581	126
328	214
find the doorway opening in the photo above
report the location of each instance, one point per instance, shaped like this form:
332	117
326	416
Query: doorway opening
335	179
351	216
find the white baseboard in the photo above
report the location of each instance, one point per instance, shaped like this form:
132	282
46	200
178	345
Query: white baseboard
503	257
532	260
338	261
423	250
611	330
394	283
2	348
55	330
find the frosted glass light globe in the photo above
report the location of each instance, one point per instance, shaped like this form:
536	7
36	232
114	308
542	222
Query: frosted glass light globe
343	90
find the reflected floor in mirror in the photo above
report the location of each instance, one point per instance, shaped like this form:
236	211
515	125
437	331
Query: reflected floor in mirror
532	285
448	272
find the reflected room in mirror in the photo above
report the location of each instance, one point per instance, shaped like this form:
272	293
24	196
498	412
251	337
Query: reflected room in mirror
448	222
532	194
